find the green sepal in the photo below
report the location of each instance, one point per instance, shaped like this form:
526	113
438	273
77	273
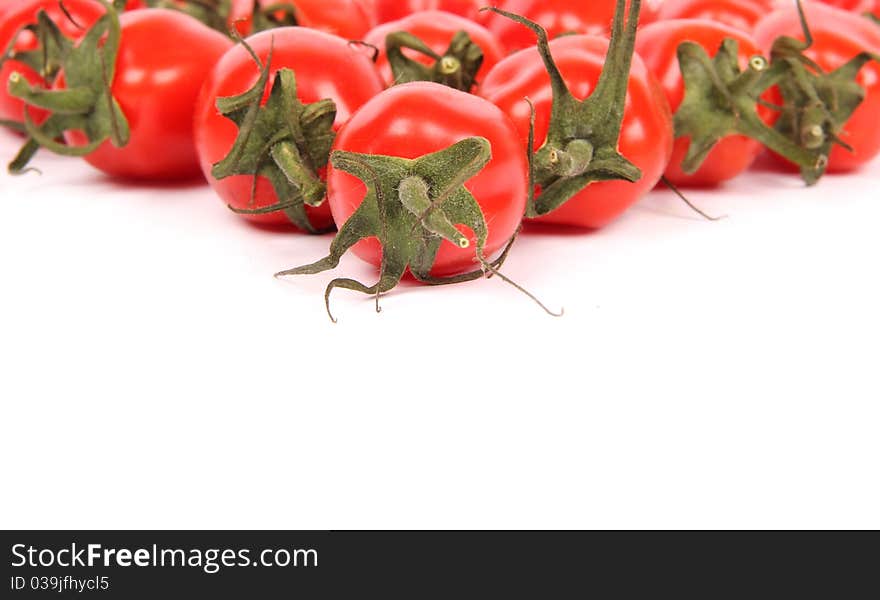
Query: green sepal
583	139
46	58
411	206
722	100
456	68
285	141
13	125
86	104
274	16
817	105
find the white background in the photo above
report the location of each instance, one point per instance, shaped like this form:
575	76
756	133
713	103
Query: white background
153	374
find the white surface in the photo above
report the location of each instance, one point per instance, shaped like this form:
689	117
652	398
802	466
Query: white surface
154	374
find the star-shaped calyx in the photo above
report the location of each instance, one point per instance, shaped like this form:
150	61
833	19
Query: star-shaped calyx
285	141
456	68
584	135
721	99
86	103
411	206
816	104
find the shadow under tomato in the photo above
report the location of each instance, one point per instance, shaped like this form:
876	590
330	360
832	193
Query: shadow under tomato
537	228
187	183
280	228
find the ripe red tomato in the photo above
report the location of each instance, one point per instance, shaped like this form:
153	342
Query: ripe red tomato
658	44
556	16
163	58
742	14
646	137
16	16
857	6
838	37
436	29
416	119
326	66
392	10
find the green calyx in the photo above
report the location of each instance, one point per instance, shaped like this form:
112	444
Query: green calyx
721	100
273	16
213	13
51	48
285	141
217	14
456	68
816	104
583	139
411	207
86	104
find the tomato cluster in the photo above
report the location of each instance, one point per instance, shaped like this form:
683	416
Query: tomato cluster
428	131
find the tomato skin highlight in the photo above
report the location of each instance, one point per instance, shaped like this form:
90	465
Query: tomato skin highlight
658	44
415	119
326	66
15	16
157	84
646	137
556	16
741	14
838	36
436	29
393	10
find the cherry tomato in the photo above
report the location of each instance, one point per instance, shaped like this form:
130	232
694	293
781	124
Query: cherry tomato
646	137
556	16
164	56
392	10
838	36
326	66
857	6
16	16
658	44
415	119
436	29
742	14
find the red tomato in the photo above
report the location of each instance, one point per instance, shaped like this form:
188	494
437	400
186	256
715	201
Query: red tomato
326	66
436	29
646	137
415	119
16	16
392	10
556	16
838	36
742	14
857	6
163	58
657	44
